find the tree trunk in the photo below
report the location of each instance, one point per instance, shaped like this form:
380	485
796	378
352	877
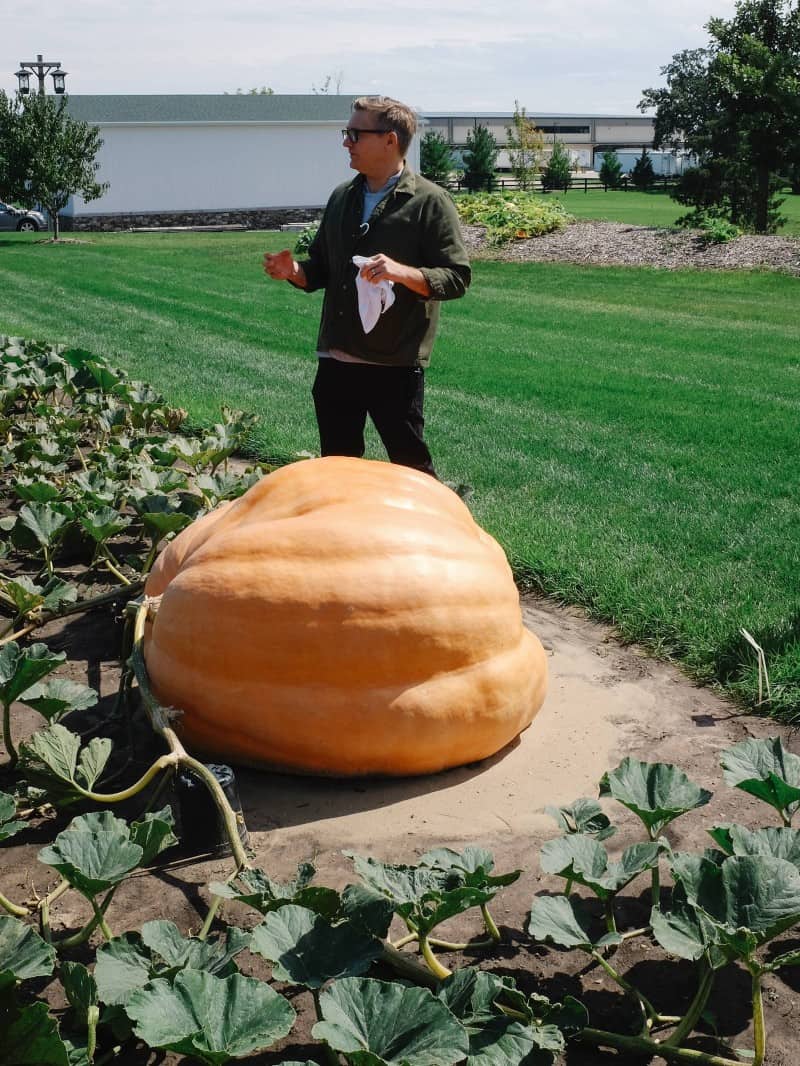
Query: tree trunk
54	219
762	200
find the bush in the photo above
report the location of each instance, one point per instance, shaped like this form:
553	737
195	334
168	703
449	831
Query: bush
479	159
611	170
557	174
512	216
435	157
717	230
305	237
643	176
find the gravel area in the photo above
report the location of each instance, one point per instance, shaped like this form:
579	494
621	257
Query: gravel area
613	243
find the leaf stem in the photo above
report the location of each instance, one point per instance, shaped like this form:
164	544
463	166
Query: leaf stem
759	1030
13	908
101	920
92	1019
407	967
649	1013
13	757
212	913
696	1007
640	1044
488	921
437	969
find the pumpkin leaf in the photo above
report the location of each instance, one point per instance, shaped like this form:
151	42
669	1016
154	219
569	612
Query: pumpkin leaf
363	906
657	793
103	523
474	865
307	950
10	825
255	888
93	853
561	920
584	860
80	989
584	816
30	1038
750	899
153	833
45	522
763	768
53	759
684	931
401	884
58	696
212	1018
780	843
36	490
215	956
395	1024
23	953
470	995
21	668
504	1042
123	965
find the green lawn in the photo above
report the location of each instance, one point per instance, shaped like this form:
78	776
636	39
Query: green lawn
631	434
650	208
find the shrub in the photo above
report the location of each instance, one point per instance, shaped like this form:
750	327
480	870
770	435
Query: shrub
479	159
557	174
512	216
305	237
435	157
611	170
643	175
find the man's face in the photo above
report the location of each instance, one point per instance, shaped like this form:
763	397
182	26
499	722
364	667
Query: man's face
373	150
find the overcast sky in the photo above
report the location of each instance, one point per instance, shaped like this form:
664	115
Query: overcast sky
588	56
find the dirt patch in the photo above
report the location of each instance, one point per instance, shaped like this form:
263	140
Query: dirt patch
594	243
605	701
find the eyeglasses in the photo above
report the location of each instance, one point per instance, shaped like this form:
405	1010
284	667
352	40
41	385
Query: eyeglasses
352	135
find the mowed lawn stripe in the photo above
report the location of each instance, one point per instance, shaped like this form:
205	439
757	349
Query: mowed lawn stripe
631	434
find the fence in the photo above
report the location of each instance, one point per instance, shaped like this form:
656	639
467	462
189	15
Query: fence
578	184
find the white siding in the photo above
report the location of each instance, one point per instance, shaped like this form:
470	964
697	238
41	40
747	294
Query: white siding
219	166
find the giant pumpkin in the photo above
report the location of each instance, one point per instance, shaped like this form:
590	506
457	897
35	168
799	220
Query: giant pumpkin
343	617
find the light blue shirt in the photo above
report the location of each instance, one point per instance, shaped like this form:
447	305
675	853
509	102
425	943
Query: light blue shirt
372	199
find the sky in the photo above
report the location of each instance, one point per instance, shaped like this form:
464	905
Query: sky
579	56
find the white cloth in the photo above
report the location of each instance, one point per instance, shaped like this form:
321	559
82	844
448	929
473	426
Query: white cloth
373	299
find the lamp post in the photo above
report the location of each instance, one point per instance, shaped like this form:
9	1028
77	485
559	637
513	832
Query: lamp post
41	67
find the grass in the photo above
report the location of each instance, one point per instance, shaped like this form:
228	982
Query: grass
631	434
650	208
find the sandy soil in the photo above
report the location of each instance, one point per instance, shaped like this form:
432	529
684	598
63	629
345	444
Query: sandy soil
605	701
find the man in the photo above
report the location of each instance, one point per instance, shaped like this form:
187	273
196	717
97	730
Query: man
408	231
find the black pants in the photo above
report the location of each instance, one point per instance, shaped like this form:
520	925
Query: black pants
345	393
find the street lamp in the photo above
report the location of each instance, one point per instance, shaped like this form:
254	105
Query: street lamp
41	67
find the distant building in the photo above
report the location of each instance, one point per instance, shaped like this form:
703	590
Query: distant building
586	137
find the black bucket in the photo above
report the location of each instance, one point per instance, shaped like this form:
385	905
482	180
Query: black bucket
202	828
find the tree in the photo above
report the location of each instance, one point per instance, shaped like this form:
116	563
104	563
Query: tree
643	176
262	90
735	105
611	170
435	157
557	173
525	148
331	85
479	160
46	156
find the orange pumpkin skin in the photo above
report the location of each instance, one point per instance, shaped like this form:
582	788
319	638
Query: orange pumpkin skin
343	617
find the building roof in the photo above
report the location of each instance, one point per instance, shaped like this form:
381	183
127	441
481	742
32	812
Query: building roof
259	107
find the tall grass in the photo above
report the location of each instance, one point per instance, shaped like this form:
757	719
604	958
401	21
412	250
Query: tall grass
631	435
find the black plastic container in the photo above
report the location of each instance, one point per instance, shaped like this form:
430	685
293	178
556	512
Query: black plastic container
202	828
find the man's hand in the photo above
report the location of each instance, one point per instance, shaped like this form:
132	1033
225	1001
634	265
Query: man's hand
282	267
381	268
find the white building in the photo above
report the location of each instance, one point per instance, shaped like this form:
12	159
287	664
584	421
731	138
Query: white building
184	159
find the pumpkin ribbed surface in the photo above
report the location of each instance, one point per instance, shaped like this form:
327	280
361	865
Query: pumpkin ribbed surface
345	617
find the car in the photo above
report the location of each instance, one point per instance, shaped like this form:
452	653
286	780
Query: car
15	218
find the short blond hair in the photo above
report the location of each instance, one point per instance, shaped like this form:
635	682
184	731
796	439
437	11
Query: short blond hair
397	117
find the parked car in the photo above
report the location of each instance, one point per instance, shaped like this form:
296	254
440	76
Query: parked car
16	218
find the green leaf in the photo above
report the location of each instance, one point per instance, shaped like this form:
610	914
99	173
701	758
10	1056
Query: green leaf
503	1042
396	1024
154	834
93	759
583	816
584	860
215	1019
258	890
749	898
780	843
764	769
30	1038
36	491
23	952
80	989
470	995
10	825
50	759
123	966
214	956
401	884
657	793
103	523
24	593
21	668
307	950
682	931
367	908
93	853
47	523
562	921
474	866
58	696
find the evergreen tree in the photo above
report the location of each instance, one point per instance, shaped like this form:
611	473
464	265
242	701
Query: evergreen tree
46	156
557	173
611	170
525	148
643	176
735	106
479	160
435	157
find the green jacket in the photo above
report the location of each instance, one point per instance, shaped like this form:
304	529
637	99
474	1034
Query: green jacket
415	224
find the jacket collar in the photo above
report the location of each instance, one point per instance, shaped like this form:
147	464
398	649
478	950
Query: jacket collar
407	183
